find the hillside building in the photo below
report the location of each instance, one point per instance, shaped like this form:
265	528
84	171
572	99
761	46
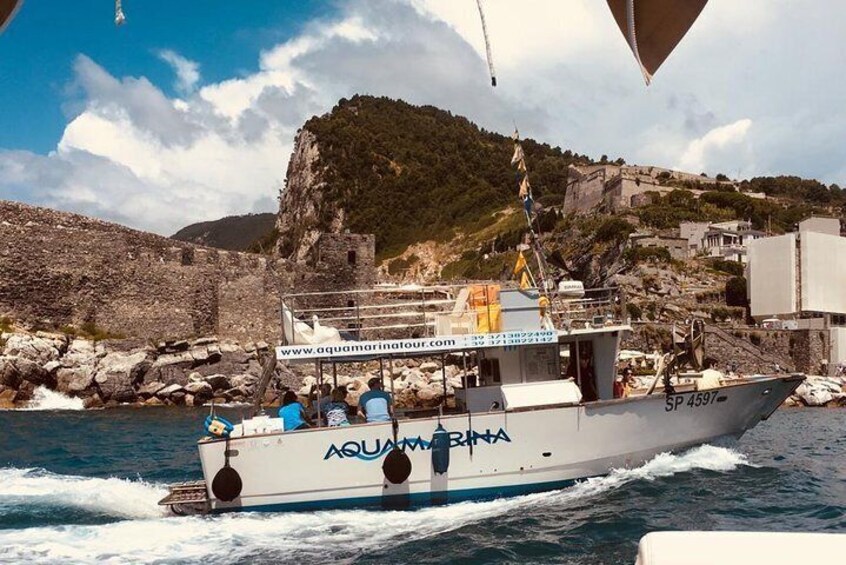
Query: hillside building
800	277
727	240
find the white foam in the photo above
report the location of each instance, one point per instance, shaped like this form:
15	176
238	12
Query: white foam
325	536
46	399
113	497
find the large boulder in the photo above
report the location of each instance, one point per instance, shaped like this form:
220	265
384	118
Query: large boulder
172	368
15	371
218	381
38	349
7	398
75	381
170	390
10	377
80	352
246	381
200	390
430	367
287	378
151	388
430	394
118	373
814	395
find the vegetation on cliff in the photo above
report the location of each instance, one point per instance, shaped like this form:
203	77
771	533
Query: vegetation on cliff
408	173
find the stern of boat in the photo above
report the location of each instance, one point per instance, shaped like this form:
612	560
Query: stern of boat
187	498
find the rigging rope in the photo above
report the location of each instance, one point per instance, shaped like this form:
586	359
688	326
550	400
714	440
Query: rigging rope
487	43
630	21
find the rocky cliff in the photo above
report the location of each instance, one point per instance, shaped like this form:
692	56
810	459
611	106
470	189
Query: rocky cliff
304	209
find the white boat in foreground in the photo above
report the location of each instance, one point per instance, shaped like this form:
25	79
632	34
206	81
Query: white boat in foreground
740	548
529	424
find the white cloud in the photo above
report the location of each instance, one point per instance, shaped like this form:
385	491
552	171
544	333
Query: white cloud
187	71
566	76
701	152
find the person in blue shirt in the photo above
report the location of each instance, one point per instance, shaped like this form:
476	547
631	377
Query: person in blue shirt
292	413
375	404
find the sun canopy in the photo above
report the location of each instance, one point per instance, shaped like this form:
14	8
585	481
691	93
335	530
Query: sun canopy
653	28
8	8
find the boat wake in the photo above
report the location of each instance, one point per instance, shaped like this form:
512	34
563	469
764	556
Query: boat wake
46	399
118	498
326	535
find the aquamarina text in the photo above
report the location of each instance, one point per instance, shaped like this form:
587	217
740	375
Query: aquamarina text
368	450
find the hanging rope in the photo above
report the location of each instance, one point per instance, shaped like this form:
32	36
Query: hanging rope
120	17
630	22
487	43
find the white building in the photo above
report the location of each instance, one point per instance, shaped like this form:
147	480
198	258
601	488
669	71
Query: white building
802	276
728	240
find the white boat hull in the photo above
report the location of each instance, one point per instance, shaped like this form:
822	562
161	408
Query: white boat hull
492	454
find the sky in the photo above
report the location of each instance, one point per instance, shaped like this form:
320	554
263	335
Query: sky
188	112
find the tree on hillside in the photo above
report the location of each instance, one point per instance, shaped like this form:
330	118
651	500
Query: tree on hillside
736	291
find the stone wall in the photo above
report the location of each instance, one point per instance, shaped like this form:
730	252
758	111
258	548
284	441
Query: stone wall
750	350
60	269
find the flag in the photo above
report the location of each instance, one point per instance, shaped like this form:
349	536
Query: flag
521	264
525	188
518	156
524	280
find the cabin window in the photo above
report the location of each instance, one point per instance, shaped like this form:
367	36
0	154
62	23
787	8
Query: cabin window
351	257
489	369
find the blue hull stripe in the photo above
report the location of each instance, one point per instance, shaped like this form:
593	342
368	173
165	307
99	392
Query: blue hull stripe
398	502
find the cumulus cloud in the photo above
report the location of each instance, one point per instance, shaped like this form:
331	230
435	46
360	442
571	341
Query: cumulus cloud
187	71
133	154
715	146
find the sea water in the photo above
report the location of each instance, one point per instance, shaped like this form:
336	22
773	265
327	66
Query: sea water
79	486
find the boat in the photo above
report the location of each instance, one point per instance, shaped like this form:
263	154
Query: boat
526	418
739	548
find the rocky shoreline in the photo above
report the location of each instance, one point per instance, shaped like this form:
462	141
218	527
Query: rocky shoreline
111	373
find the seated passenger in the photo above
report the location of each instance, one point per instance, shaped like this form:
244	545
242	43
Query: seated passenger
623	387
375	404
337	410
325	397
292	413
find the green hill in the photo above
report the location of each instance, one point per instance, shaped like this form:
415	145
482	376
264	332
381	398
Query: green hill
411	173
235	233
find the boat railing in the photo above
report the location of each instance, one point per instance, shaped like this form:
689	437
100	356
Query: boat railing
415	311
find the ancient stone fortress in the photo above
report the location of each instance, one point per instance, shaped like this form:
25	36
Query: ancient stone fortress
613	188
59	269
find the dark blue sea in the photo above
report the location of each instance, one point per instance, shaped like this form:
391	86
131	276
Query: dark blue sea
82	487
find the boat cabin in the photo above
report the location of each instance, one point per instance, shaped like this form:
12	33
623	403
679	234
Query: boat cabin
512	355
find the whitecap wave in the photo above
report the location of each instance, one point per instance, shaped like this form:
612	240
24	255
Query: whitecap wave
46	399
326	536
120	498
